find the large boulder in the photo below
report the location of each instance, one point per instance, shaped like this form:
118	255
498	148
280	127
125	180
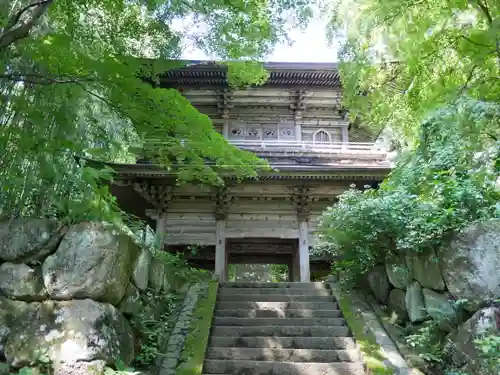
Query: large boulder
471	264
397	306
415	305
442	309
483	323
93	261
23	240
379	284
10	312
140	276
398	273
424	268
70	332
158	276
22	282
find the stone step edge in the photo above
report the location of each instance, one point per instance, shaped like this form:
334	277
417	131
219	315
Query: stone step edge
286	284
224	321
342	355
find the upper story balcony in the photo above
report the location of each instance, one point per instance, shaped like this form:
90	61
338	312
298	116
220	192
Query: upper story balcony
347	148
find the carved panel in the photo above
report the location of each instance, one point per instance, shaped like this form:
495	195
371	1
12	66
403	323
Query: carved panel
236	130
287	131
254	132
270	132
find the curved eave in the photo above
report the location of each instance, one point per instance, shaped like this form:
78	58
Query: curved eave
214	74
284	172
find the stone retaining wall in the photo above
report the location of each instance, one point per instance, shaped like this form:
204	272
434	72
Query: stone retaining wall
456	286
67	294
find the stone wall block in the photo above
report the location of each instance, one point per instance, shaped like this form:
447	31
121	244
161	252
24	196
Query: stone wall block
471	264
20	281
140	276
397	306
379	284
93	261
70	332
415	304
24	240
441	307
425	268
483	323
398	273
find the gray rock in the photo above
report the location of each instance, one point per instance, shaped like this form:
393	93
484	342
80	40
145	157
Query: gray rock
10	312
69	332
80	368
397	306
415	305
471	264
158	278
131	302
28	239
426	270
140	276
379	284
398	273
93	261
483	323
441	308
22	282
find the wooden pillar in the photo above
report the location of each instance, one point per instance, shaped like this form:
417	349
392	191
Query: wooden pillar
302	199
222	203
305	273
345	137
225	129
220	251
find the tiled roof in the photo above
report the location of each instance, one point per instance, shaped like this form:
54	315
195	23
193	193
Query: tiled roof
211	74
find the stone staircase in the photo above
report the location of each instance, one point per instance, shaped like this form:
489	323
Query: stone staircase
280	329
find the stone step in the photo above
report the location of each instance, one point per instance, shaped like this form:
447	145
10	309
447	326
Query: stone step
278	313
269	305
267	291
292	322
214	366
283	355
282	331
273	298
332	343
286	285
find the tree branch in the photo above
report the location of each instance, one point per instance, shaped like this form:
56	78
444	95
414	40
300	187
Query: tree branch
15	19
40	79
474	42
11	34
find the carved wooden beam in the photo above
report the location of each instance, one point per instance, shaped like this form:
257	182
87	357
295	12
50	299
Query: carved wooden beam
158	195
298	105
302	198
223	201
224	103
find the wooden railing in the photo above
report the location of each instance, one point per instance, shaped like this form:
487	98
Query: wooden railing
333	147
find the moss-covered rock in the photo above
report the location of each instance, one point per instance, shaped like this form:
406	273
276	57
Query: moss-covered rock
69	332
20	281
93	261
28	239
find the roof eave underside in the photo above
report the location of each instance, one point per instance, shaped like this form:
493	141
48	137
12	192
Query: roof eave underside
377	172
211	74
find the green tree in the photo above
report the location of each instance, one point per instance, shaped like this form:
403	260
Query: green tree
73	82
401	59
